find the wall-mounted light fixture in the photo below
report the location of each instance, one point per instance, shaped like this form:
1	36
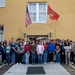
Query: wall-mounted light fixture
50	34
24	34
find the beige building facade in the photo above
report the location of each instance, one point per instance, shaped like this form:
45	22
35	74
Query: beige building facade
12	20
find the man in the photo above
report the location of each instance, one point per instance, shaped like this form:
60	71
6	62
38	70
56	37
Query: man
51	50
1	51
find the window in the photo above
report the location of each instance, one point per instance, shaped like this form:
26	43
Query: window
1	33
38	12
2	3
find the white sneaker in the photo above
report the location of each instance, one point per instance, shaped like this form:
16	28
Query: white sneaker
6	63
17	63
51	62
20	63
10	63
45	63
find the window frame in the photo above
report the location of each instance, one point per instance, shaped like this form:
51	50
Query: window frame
37	14
2	33
3	5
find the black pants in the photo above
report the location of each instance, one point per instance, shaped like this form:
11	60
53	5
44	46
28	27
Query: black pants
50	56
19	58
62	57
72	56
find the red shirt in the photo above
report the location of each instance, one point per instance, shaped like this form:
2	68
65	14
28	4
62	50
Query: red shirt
45	46
27	48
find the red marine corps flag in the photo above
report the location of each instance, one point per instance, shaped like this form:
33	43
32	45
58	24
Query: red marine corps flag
53	15
28	20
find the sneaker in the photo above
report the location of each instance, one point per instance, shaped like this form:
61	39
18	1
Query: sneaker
20	63
71	63
51	62
10	63
6	63
45	63
17	63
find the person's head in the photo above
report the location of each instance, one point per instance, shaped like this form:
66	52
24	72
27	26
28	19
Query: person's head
44	43
51	42
5	42
33	41
66	43
12	39
40	42
57	47
21	44
74	42
27	42
57	42
8	44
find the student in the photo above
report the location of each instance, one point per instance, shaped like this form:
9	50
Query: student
45	53
62	53
33	51
73	52
27	52
8	53
40	50
16	49
67	48
23	57
51	51
20	52
13	51
1	51
57	54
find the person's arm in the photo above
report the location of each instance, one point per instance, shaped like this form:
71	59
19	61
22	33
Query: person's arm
43	48
14	49
54	49
37	49
70	47
1	50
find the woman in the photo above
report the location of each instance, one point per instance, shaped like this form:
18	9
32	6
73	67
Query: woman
57	54
45	53
8	53
73	52
27	52
40	50
67	48
20	52
33	51
1	51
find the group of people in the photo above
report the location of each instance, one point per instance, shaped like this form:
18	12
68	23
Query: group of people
37	51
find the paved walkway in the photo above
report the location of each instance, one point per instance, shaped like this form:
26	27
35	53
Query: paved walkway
50	69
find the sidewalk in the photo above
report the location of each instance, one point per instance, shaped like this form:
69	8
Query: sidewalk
1	66
50	69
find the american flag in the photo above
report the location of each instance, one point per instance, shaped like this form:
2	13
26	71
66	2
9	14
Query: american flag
28	20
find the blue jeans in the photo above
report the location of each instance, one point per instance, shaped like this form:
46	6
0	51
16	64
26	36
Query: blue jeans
40	58
7	58
58	57
13	58
0	59
45	56
23	58
33	58
27	57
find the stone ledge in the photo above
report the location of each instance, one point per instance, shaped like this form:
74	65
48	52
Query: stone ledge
2	66
72	66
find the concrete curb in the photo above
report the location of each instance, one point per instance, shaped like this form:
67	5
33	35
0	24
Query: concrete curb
72	66
2	66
